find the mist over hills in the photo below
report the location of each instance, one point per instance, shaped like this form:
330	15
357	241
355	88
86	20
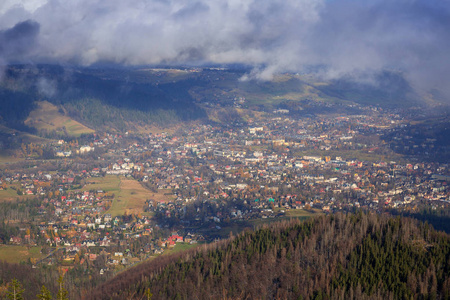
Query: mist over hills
346	38
120	98
207	116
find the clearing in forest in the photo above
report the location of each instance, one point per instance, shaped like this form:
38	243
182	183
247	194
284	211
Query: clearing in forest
47	116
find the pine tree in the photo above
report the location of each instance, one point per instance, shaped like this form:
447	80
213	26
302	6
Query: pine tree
15	290
45	294
62	293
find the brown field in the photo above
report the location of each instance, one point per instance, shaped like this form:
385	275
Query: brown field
9	195
17	254
5	158
46	116
131	196
146	129
110	183
162	196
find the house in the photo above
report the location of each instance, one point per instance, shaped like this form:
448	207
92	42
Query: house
84	149
89	243
107	218
175	238
92	256
16	240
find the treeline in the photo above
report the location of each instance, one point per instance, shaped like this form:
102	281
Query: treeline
13	212
95	114
15	108
98	98
28	281
339	256
439	218
99	101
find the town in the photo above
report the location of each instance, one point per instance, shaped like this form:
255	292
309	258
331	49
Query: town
108	201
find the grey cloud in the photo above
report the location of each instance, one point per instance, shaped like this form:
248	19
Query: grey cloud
17	42
346	37
411	36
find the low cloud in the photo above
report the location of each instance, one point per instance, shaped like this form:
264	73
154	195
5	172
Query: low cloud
46	87
344	37
17	42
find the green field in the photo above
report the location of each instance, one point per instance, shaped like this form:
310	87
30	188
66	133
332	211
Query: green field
10	194
296	213
109	183
181	247
130	199
17	254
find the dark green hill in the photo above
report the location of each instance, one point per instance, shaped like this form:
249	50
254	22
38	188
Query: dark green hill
333	257
98	98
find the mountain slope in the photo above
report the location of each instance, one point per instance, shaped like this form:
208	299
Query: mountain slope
47	118
127	99
96	98
333	257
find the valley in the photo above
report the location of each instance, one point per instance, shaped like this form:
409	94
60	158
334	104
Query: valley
92	186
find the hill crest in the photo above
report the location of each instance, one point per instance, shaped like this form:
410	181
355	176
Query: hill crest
332	257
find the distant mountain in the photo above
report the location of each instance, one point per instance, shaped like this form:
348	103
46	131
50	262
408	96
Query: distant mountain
386	89
128	98
332	257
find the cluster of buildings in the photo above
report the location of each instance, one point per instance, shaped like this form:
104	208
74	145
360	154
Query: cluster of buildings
217	175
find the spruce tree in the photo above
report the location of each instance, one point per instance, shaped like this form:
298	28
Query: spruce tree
62	292
15	290
45	294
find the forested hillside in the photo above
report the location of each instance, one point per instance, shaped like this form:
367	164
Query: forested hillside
333	257
31	280
98	98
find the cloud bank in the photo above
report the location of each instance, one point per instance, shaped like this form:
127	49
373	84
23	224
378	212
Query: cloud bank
344	37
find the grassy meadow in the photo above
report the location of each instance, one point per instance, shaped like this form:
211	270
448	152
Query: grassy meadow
11	194
17	254
47	116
